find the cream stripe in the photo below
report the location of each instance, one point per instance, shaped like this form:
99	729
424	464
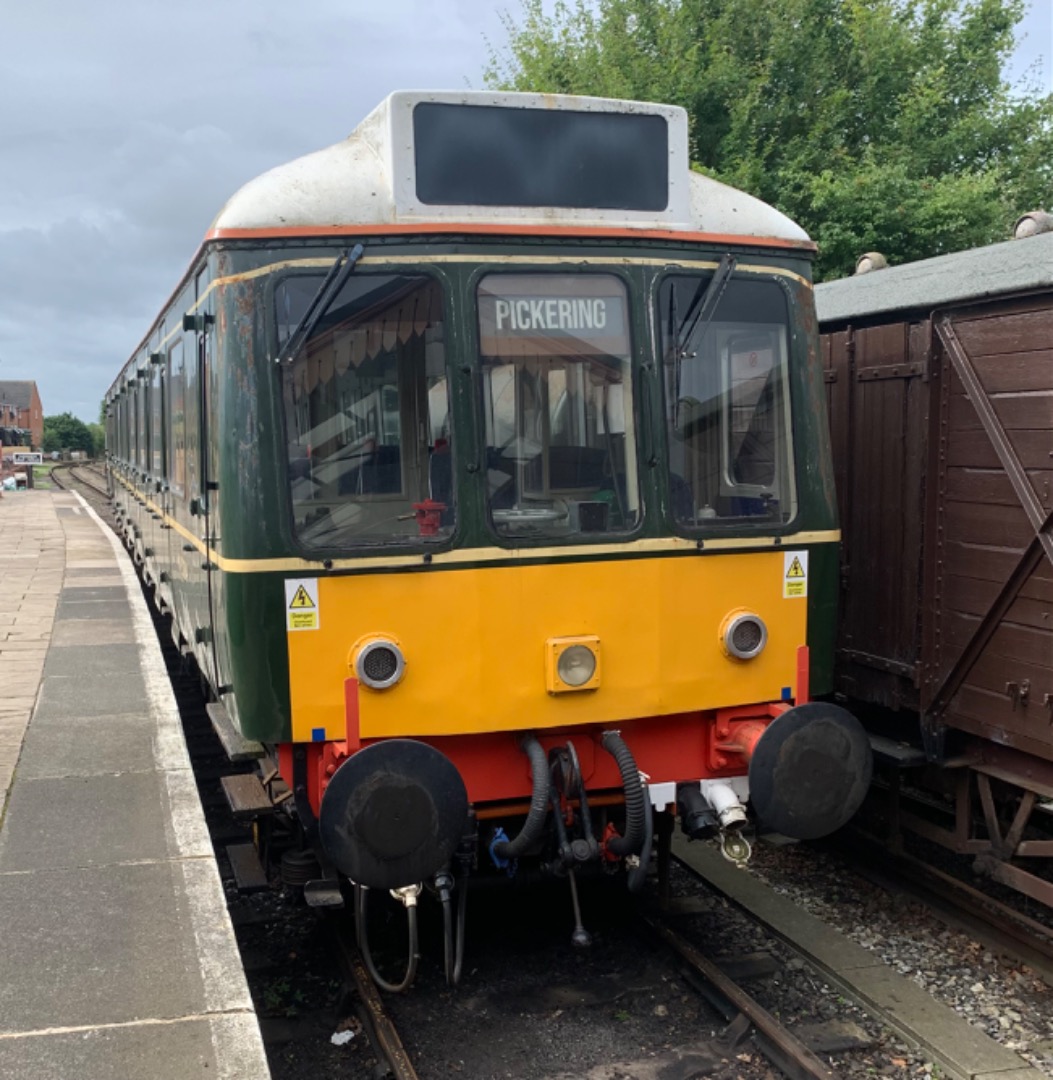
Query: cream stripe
650	546
424	260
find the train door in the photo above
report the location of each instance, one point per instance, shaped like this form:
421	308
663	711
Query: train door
878	401
159	534
205	502
185	559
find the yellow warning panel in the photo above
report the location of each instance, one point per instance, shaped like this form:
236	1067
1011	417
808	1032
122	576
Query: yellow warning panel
662	655
301	604
794	574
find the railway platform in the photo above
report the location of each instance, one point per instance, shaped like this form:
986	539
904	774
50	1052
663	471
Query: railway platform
117	956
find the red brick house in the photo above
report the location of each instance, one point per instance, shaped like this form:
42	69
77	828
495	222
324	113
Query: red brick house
20	408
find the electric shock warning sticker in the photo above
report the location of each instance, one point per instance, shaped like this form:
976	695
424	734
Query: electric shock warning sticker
301	603
794	574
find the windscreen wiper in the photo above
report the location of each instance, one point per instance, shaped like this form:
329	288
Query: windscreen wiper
704	307
339	272
695	322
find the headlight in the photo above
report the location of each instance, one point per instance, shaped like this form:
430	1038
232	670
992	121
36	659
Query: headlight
744	635
379	664
576	665
572	664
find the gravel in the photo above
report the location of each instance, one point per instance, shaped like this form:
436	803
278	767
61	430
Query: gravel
1004	999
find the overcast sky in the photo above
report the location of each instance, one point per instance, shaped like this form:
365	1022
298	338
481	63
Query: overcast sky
124	127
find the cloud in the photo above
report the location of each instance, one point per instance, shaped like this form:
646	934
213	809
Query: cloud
126	127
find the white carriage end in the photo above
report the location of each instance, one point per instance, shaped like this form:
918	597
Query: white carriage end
369	180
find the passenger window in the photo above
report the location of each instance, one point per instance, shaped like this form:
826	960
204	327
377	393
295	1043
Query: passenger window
157	434
142	397
177	419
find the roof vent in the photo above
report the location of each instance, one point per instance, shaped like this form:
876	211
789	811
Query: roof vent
870	260
1038	221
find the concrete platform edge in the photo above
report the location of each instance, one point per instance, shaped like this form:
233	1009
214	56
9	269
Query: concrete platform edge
235	1032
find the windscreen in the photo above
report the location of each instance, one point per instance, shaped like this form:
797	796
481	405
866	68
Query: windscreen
727	403
367	412
557	394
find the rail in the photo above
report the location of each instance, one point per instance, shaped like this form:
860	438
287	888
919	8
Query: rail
378	1025
782	1048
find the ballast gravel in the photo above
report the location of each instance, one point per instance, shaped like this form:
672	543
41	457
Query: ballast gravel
1006	1000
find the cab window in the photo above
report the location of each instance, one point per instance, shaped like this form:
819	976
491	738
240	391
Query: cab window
727	403
557	394
367	412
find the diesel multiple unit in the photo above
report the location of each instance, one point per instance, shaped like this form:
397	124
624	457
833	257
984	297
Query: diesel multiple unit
481	460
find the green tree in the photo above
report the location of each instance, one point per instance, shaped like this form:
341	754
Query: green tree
66	432
874	123
98	439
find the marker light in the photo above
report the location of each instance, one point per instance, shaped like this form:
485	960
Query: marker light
743	635
379	664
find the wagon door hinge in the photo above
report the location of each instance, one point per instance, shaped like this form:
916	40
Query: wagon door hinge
1019	693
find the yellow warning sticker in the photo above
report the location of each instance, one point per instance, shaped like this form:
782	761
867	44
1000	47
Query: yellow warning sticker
794	574
301	604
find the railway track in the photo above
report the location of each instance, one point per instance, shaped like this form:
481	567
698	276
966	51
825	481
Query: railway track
91	477
1001	927
376	1021
742	1011
916	1009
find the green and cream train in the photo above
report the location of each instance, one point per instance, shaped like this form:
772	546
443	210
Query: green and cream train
481	460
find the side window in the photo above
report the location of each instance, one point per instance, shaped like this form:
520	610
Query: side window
177	419
204	463
141	388
157	420
750	452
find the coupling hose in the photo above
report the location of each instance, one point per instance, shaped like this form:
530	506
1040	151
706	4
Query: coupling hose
636	807
535	821
638	874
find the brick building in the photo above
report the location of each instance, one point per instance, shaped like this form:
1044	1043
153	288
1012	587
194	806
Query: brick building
20	408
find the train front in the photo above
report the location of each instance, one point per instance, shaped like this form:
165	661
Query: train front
557	478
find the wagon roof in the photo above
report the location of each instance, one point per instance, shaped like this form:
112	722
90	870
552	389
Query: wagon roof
370	180
996	270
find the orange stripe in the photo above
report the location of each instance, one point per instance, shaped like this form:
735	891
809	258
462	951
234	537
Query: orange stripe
508	230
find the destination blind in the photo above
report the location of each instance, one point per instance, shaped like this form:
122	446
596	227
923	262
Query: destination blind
497	156
557	315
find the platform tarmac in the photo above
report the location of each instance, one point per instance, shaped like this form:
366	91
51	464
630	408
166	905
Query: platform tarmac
117	956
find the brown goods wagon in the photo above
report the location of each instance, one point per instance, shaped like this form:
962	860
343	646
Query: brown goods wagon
940	394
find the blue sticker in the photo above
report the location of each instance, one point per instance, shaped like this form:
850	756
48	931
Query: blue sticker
318	734
785	693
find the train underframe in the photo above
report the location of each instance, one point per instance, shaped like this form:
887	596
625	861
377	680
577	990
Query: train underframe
993	803
407	816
